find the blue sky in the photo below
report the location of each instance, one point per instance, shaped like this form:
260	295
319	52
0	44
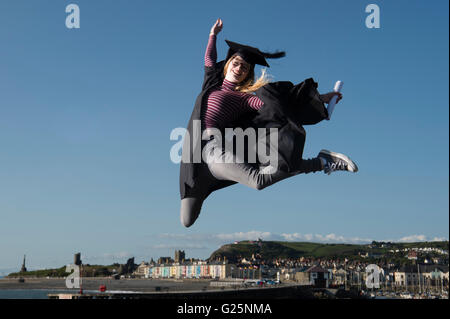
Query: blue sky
86	115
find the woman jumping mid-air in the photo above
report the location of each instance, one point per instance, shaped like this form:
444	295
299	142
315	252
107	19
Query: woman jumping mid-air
232	98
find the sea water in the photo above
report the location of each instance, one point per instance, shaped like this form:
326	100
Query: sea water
43	293
28	293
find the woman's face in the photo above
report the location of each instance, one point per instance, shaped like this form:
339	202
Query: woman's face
237	70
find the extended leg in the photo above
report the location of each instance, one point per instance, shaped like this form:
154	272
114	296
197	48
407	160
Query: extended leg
254	177
223	165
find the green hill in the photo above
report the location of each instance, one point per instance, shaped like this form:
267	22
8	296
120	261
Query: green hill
293	250
275	249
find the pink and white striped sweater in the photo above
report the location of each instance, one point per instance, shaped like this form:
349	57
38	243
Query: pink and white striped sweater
224	104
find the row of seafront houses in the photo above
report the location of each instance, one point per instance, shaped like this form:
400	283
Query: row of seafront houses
315	275
198	270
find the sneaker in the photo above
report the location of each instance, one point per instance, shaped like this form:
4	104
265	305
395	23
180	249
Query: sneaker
336	162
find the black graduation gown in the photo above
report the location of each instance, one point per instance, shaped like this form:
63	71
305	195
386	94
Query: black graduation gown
286	107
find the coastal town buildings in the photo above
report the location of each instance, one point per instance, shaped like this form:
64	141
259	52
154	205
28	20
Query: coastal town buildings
140	270
421	276
339	275
411	277
313	276
424	269
197	269
407	277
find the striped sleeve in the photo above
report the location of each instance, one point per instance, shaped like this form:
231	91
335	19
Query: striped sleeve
211	52
254	102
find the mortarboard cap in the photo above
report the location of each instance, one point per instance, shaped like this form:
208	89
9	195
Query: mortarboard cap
250	54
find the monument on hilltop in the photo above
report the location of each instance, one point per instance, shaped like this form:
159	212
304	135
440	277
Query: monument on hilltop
23	269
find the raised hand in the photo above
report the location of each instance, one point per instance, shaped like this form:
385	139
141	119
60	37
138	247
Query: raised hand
217	27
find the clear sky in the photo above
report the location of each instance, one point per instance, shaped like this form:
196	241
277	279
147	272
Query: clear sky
86	115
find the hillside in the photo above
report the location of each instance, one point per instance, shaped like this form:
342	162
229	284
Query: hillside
293	250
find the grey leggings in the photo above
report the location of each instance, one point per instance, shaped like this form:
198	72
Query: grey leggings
223	166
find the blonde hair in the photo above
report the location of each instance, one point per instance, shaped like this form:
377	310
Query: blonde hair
249	84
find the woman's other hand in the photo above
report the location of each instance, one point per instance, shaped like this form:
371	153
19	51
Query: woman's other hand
217	27
326	98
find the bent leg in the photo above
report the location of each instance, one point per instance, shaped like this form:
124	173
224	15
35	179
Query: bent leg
245	174
190	209
224	165
255	177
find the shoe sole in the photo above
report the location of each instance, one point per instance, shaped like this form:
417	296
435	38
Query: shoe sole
354	167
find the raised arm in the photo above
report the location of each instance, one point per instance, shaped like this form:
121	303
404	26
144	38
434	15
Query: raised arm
211	51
